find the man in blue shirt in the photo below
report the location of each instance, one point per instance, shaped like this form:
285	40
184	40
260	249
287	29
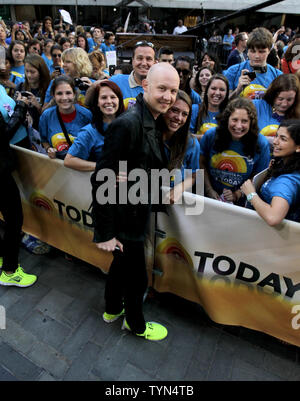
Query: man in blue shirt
108	44
131	85
259	45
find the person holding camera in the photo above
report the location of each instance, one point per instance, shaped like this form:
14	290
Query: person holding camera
12	115
106	105
37	79
77	66
60	124
251	77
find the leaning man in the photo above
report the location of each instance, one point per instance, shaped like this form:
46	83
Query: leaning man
121	228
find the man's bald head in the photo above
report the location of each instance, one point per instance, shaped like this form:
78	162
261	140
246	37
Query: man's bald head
160	88
159	69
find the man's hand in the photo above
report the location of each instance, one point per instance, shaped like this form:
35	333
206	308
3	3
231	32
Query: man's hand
110	245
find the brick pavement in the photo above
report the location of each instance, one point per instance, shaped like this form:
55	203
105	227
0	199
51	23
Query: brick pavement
54	332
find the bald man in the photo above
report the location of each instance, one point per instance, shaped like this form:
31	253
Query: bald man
120	227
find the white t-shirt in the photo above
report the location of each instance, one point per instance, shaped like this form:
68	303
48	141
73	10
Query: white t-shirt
179	29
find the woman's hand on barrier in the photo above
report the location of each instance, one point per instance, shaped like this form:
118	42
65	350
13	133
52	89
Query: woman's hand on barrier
247	187
110	245
51	152
229	195
211	193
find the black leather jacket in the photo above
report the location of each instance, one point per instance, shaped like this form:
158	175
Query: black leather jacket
132	137
7	131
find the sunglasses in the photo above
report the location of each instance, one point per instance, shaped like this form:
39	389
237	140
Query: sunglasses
56	55
184	72
144	43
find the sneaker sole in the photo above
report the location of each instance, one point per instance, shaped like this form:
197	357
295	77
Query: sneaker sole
114	319
16	284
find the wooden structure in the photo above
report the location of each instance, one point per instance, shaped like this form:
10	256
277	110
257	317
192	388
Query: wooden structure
181	45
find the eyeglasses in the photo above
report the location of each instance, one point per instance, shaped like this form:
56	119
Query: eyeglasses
144	43
56	55
184	72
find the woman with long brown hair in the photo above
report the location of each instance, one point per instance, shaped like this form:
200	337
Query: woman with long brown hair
233	151
280	102
106	105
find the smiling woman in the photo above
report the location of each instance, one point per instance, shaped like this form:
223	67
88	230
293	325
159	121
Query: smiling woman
60	124
215	100
279	196
233	152
106	105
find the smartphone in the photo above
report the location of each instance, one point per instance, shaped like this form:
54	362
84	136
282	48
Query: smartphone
112	69
251	74
57	68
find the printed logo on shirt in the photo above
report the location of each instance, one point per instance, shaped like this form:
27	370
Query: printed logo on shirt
59	141
270	130
129	102
228	167
205	127
253	91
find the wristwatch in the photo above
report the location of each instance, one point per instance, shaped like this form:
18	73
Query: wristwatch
251	196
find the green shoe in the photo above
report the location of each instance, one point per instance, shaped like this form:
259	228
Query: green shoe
108	318
154	331
19	278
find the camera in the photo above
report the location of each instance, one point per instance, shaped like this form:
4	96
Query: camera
80	84
25	94
251	74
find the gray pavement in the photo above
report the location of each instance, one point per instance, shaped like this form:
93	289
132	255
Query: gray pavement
55	332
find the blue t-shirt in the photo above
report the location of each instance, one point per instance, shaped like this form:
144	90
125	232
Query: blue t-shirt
129	94
195	97
286	186
105	48
88	144
51	131
268	122
228	39
18	71
191	156
48	62
258	86
208	122
7	105
93	45
231	168
16	78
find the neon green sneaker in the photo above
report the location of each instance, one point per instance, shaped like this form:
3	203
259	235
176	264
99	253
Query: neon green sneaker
19	278
154	331
108	318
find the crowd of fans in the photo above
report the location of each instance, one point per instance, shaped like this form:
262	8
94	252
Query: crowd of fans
236	114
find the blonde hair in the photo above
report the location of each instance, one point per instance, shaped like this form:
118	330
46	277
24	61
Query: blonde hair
80	59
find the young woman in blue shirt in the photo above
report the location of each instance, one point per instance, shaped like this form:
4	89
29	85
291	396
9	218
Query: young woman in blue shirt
233	151
279	196
106	105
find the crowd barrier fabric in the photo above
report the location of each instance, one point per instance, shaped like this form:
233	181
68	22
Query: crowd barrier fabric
227	259
242	271
56	202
